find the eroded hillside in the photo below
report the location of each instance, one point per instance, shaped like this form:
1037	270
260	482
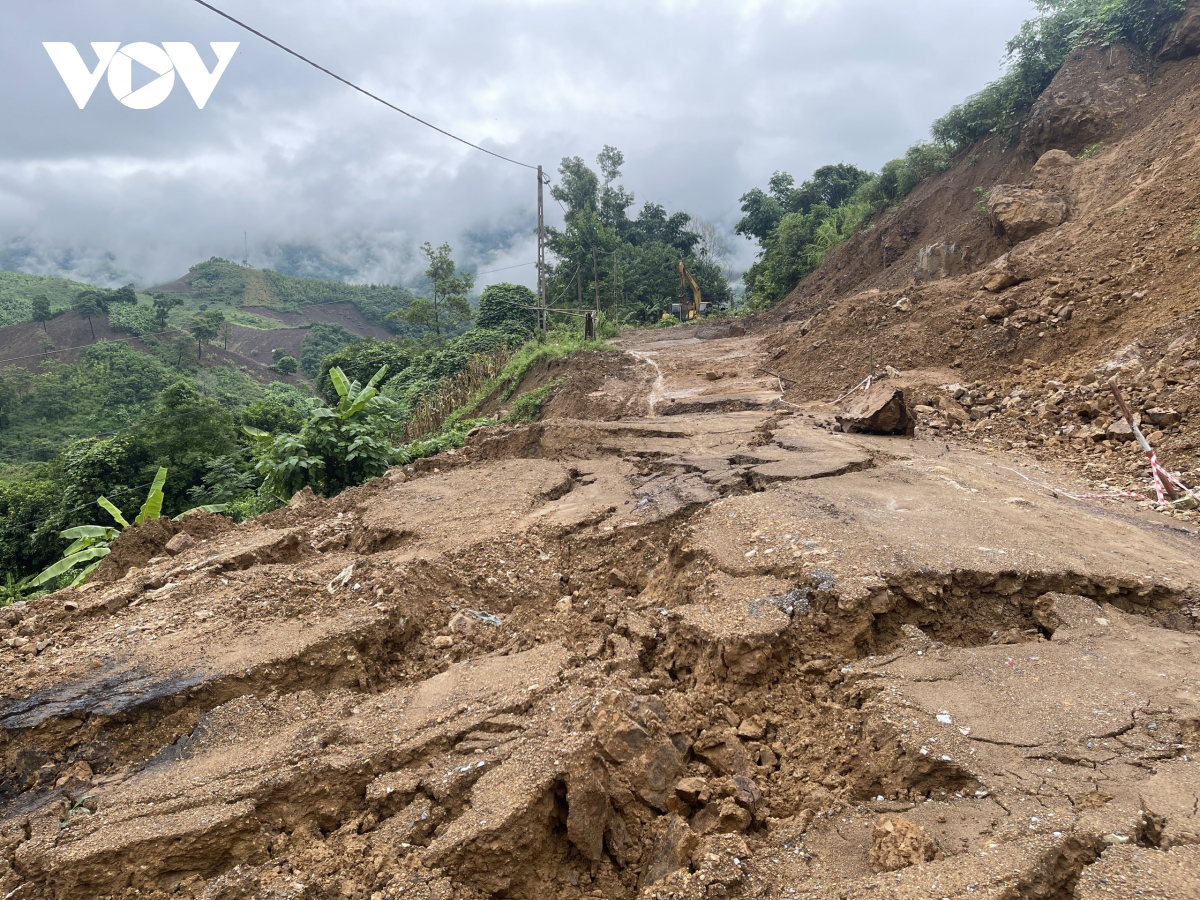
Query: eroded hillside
708	649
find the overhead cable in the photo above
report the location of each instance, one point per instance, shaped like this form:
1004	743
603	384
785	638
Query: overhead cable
361	90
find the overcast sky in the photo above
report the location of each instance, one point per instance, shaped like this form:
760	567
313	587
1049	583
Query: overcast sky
705	97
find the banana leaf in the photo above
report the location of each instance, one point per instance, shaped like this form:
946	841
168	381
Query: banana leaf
108	506
210	508
89	531
83	576
152	508
67	563
340	382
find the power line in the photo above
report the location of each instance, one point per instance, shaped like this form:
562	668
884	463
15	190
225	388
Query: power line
361	90
506	268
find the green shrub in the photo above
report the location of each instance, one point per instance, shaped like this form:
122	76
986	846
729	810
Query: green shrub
528	406
337	448
322	339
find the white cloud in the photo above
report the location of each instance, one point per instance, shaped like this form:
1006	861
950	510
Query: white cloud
705	98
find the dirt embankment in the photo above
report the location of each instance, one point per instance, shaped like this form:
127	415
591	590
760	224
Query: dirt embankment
1032	326
707	650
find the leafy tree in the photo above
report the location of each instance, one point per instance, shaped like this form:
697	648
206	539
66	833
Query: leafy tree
41	310
181	349
186	431
337	448
204	329
505	307
124	294
629	265
359	361
226	328
271	414
286	365
87	306
448	308
162	308
322	339
224	480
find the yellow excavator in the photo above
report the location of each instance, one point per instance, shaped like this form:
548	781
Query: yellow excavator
686	309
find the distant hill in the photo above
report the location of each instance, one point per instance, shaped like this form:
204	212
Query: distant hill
219	281
17	290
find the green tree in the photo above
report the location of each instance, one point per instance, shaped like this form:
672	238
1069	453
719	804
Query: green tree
286	365
124	294
506	307
359	361
181	348
226	332
87	306
204	329
448	308
162	308
41	310
187	430
337	448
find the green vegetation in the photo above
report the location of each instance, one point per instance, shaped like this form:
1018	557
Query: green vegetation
629	267
219	281
797	227
1037	53
528	406
17	292
336	448
447	309
323	338
91	542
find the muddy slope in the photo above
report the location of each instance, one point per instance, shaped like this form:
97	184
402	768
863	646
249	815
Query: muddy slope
1032	328
717	652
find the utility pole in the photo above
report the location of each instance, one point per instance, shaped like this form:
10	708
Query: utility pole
596	283
541	258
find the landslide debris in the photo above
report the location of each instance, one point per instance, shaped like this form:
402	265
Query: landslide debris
685	636
710	654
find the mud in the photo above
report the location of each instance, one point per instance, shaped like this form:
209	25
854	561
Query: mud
717	653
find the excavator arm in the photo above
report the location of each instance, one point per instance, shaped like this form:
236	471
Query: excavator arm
686	280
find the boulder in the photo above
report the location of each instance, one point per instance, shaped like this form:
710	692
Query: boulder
897	843
881	410
181	542
1119	431
1021	213
1000	281
1184	39
1162	418
938	261
1087	102
1054	162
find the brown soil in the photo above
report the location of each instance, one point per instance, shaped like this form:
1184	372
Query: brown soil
693	654
681	638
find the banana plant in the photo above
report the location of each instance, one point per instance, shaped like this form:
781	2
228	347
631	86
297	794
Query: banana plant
91	542
338	447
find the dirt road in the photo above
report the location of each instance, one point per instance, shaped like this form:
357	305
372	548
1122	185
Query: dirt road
715	650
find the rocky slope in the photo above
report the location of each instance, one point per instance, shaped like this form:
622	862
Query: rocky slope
1030	274
705	649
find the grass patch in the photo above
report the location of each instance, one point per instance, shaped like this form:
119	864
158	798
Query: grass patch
529	405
